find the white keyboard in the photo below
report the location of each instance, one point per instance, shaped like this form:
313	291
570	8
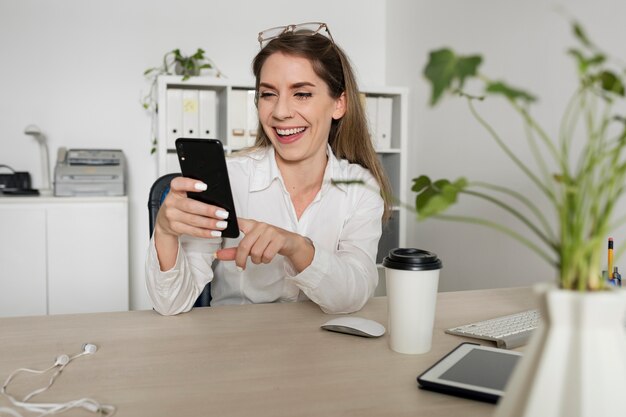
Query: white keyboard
508	332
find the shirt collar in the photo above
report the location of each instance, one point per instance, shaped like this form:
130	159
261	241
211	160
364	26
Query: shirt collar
334	171
266	170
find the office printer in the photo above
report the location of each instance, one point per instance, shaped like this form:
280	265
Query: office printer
90	172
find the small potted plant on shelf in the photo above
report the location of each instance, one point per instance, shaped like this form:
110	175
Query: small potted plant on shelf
175	63
585	355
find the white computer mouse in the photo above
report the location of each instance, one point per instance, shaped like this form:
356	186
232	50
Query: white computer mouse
357	326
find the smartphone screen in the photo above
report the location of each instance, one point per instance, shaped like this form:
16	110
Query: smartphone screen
204	160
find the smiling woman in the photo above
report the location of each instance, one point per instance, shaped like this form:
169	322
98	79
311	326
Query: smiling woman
296	112
310	47
303	237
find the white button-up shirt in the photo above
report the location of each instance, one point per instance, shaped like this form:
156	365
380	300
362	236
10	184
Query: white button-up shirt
343	222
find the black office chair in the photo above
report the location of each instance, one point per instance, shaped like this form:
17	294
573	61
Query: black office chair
158	191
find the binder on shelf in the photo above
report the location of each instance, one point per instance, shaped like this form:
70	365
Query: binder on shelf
191	116
208	114
383	123
371	112
252	118
237	106
171	162
174	116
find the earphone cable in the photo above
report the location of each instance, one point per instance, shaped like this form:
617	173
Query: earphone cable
46	409
53	378
17	371
9	411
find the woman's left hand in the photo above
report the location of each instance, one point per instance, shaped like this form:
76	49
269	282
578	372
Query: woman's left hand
262	242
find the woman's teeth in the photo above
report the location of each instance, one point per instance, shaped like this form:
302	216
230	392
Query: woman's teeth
287	132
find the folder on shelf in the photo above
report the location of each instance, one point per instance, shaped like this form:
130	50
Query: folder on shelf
237	137
208	114
383	123
191	117
251	117
371	112
174	116
171	162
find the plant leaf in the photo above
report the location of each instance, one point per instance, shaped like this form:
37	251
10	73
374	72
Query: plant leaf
611	83
198	55
580	34
499	87
436	197
440	72
420	183
597	59
444	67
583	62
460	183
467	67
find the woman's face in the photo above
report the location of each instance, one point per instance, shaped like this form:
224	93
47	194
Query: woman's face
296	109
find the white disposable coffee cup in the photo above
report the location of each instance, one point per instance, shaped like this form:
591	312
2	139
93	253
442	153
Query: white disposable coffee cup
412	277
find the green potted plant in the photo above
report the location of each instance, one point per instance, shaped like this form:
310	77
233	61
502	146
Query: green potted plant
175	63
582	188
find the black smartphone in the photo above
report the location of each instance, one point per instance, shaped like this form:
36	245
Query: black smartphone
204	160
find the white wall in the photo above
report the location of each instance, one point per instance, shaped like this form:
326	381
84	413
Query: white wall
523	43
74	67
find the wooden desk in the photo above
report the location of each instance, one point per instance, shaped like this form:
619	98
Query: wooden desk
253	360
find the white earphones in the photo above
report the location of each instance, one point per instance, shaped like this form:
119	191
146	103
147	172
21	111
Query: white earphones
60	363
62	360
90	348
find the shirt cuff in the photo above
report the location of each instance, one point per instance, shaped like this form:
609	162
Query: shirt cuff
164	281
312	275
153	253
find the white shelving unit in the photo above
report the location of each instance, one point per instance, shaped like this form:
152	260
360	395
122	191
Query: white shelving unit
394	160
227	95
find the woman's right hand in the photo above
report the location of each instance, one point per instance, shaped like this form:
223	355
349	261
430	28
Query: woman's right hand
180	215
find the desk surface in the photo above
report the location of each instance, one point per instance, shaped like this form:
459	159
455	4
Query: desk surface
261	360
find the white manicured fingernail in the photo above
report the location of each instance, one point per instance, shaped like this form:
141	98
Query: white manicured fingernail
239	269
216	233
221	213
221	225
200	186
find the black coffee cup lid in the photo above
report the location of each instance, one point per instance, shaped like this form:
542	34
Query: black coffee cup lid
411	259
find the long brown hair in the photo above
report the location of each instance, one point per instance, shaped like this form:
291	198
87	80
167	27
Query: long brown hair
349	136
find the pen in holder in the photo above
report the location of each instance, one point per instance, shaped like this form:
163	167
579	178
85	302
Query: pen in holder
615	279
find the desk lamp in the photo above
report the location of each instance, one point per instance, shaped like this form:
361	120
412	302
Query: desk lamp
35	132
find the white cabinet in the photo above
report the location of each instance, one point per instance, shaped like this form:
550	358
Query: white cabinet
22	260
63	255
232	116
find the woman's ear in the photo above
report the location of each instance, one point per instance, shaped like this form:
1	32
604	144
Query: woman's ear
340	107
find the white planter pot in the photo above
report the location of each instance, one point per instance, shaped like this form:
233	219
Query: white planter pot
575	362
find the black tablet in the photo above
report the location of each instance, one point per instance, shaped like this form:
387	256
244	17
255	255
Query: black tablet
471	371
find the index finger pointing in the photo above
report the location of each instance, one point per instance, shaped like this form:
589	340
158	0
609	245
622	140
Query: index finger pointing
226	254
